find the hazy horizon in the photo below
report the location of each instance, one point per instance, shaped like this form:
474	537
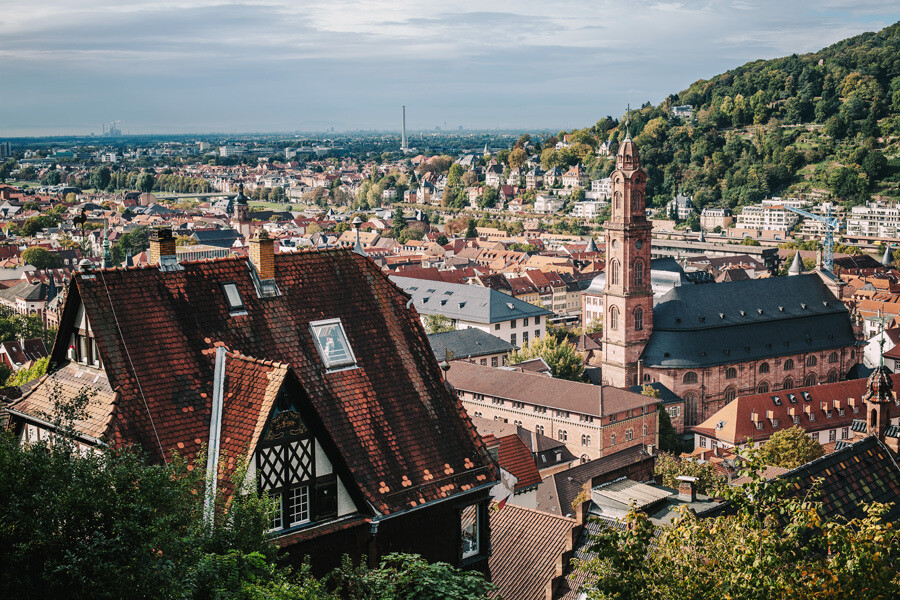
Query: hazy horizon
209	67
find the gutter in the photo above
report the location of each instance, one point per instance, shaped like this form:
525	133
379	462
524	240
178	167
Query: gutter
215	432
381	517
37	420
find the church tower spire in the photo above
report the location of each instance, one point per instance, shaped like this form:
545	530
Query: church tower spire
628	296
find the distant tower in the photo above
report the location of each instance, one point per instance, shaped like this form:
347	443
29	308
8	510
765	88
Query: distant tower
403	143
628	296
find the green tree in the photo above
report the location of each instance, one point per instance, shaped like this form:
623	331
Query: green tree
442	240
100	178
517	158
438	324
790	448
749	241
134	242
669	467
471	232
23	376
41	258
561	356
146	181
775	545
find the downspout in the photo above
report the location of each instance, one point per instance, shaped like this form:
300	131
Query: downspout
215	431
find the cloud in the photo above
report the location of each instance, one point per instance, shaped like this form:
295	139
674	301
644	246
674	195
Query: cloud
201	65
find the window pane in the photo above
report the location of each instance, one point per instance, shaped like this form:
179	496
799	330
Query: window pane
469	529
332	344
298	505
233	296
276	517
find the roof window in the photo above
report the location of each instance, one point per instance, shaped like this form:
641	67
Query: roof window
332	344
233	297
776	400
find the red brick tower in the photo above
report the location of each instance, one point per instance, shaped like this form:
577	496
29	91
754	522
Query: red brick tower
628	297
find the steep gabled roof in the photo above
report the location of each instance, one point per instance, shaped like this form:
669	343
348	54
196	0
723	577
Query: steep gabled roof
404	437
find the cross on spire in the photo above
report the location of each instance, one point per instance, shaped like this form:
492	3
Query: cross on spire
627	132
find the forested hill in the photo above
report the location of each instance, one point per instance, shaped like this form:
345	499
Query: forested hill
825	122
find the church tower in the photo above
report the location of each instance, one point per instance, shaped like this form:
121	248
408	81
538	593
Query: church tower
628	296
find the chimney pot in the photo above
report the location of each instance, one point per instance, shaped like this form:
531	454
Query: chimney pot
687	488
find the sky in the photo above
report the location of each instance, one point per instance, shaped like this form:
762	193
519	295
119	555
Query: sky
200	66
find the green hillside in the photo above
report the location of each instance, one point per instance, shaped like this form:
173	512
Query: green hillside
826	122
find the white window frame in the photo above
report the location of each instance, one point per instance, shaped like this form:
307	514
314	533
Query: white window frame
345	364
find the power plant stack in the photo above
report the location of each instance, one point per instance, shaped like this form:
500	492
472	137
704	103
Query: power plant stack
403	145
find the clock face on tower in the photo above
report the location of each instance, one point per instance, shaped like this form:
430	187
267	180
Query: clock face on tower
638	244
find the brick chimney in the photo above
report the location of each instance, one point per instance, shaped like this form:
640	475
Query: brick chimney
262	254
162	243
687	488
162	249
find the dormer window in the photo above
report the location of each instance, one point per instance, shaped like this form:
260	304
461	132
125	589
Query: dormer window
233	297
332	344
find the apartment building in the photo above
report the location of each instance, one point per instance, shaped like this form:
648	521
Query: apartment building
874	220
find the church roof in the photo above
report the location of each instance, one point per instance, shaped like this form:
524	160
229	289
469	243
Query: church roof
702	325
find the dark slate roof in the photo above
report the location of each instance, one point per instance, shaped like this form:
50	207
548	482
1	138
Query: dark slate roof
223	238
705	325
557	492
666	395
466	302
26	291
466	343
850	478
405	438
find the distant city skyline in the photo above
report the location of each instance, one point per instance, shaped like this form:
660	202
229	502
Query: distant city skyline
174	66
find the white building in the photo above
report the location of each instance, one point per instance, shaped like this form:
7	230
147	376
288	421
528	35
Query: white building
473	306
588	209
769	217
603	187
547	204
680	207
875	220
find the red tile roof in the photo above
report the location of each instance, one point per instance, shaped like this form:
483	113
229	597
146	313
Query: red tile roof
527	548
404	437
734	422
515	457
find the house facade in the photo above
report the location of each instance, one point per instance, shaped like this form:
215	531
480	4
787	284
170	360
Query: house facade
279	364
591	420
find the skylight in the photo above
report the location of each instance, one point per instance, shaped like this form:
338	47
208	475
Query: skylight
233	297
332	344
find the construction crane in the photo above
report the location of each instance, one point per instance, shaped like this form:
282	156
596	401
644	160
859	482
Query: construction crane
831	224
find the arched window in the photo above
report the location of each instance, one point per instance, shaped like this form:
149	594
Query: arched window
562	435
762	388
618	200
614	318
832	376
730	394
614	272
811	379
788	383
638	272
833	357
730	373
690	409
689	377
873	418
584	458
789	364
612	440
811	361
764	368
638	318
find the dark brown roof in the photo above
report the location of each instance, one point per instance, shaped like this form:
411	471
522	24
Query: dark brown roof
404	437
557	492
527	548
533	388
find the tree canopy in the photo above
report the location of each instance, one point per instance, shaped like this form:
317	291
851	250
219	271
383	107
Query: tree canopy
561	356
790	448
